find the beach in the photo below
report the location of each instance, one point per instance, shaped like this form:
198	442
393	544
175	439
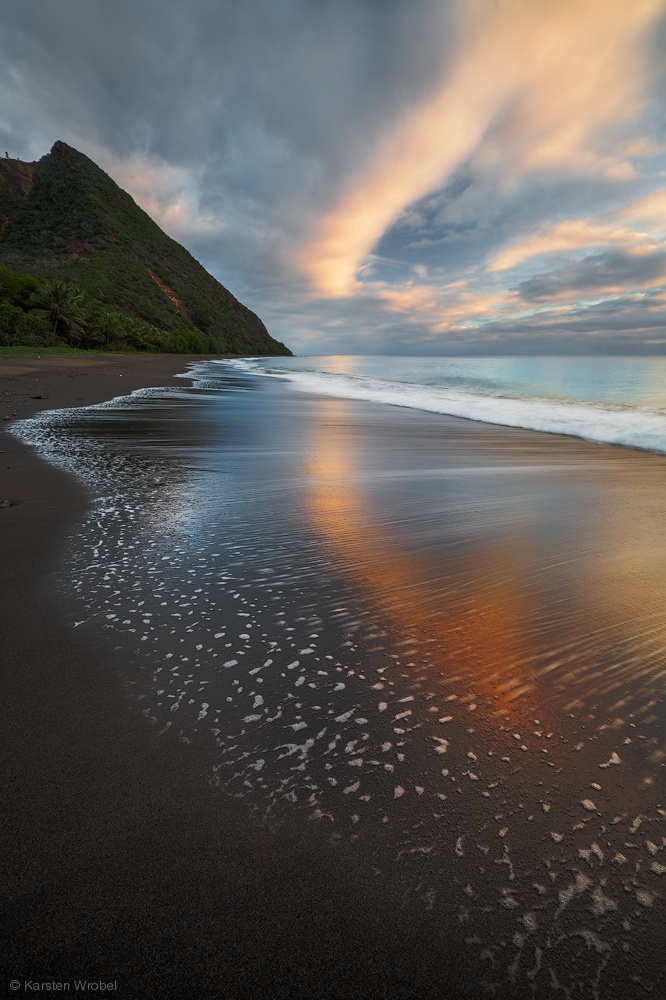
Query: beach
118	865
426	757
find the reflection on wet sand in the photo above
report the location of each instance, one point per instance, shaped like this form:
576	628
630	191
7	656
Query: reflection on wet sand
514	605
481	631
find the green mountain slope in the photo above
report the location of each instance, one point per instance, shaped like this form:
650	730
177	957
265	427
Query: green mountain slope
64	218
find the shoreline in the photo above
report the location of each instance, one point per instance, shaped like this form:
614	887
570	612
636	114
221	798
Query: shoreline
516	548
31	385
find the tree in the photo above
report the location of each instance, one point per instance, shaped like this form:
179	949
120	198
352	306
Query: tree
64	304
108	325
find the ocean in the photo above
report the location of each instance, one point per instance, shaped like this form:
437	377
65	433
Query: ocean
437	641
615	400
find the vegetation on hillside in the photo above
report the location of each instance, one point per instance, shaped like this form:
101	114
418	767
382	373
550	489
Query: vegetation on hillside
36	313
63	220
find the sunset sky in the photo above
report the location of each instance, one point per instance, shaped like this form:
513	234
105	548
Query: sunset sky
438	176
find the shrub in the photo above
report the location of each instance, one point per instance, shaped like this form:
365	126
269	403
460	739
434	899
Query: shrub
18	327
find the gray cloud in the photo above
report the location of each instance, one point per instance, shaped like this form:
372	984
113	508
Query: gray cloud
221	78
595	274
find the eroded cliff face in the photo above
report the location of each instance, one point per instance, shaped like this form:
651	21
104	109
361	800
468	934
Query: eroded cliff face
16	180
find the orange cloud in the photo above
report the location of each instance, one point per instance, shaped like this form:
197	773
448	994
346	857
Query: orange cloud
441	306
637	228
576	234
650	210
566	68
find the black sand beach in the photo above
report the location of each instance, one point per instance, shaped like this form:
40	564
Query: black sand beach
426	758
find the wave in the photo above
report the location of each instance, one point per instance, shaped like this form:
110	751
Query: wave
628	426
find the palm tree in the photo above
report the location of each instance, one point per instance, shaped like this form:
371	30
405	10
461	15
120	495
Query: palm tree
108	325
64	305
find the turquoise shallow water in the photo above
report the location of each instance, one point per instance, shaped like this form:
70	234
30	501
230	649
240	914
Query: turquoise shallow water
606	399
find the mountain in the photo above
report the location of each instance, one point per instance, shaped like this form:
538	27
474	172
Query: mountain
63	218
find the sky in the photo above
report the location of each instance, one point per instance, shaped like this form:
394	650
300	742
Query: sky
456	177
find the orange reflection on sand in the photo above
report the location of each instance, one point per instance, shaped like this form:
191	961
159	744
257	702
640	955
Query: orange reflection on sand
627	580
474	626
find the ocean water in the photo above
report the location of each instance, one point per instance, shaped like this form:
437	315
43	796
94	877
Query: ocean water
434	642
615	400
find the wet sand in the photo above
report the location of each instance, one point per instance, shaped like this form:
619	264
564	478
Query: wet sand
117	863
43	501
393	772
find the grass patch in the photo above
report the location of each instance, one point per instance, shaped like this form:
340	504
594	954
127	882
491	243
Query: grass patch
74	352
46	352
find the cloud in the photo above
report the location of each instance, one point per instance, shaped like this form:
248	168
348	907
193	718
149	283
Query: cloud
605	273
532	87
638	226
572	235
